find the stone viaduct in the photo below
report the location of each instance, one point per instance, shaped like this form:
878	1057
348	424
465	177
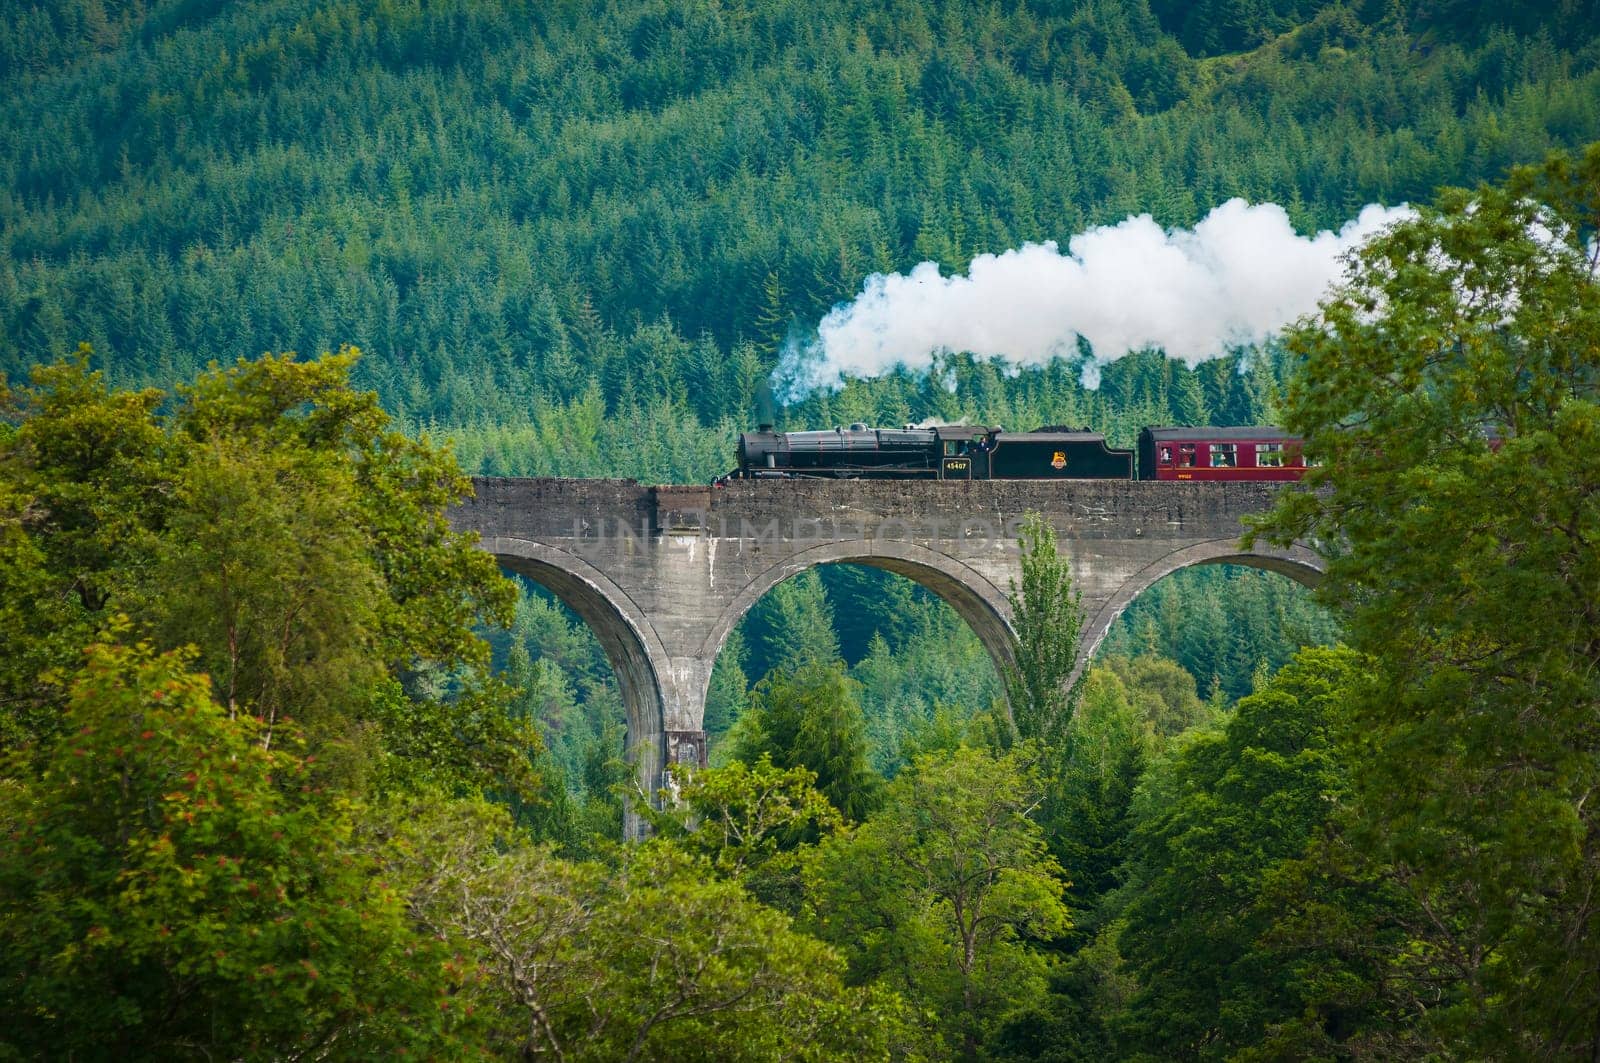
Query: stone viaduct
662	574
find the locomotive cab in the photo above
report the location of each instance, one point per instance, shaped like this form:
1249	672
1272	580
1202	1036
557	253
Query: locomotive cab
963	451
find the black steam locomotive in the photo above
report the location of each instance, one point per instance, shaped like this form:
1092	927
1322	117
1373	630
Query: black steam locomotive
975	452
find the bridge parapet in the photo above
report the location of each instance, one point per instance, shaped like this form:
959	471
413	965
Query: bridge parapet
1084	509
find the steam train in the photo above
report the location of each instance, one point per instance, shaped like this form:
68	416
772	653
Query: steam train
1053	452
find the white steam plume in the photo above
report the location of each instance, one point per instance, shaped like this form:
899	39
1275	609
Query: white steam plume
1239	276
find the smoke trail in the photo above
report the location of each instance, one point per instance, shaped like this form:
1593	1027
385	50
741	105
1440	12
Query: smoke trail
1236	278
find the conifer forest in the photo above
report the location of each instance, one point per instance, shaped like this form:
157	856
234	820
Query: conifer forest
290	768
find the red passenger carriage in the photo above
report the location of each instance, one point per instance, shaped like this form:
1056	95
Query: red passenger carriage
1251	453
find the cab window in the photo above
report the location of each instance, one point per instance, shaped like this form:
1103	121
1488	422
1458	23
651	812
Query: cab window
949	448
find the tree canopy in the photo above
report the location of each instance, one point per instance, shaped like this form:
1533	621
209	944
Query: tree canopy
171	885
1452	393
267	516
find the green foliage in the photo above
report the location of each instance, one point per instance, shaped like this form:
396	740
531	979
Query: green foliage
1230	808
171	886
907	650
268	517
940	892
793	625
85	467
740	815
656	958
1451	390
1047	614
1088	806
563	684
809	718
1128	712
728	692
750	822
1378	856
936	668
1073	1025
1157	690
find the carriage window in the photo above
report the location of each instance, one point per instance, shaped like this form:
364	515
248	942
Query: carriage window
1269	455
1166	455
1186	455
1223	455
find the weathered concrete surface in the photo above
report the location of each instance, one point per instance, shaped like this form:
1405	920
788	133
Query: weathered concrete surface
662	574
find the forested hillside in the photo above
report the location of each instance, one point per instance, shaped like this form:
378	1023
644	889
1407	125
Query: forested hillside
537	216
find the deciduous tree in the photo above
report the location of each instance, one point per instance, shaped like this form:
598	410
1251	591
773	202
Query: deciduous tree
267	516
655	958
942	892
1226	811
173	887
809	718
1451	390
744	816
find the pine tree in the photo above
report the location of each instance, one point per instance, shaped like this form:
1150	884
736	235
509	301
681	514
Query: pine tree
1047	615
811	718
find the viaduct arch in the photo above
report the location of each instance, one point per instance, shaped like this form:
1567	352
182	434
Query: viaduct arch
662	574
985	607
623	631
1298	563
